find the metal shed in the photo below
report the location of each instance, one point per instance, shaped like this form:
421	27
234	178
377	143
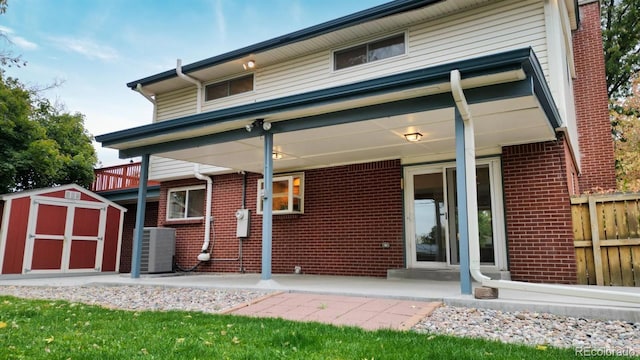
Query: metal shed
64	229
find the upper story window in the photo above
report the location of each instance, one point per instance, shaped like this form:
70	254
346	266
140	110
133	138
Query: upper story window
185	203
288	194
371	51
228	87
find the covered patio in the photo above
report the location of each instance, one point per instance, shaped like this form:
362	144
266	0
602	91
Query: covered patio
499	100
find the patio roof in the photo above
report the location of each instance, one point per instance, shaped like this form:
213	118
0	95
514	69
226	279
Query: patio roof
363	121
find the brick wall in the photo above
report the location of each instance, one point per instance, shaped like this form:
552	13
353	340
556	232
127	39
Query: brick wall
538	212
126	248
349	212
590	91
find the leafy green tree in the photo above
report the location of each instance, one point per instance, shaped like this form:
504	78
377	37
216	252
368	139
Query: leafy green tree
625	115
621	38
40	145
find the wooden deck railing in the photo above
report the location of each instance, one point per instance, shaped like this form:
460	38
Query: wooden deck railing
118	177
606	232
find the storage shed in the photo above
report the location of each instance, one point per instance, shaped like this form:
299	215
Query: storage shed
64	229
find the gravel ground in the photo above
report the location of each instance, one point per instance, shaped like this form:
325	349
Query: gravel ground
141	297
589	337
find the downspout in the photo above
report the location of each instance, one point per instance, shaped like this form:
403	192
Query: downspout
204	255
472	213
192	80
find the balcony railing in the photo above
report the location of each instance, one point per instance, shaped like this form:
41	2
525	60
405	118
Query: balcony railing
118	177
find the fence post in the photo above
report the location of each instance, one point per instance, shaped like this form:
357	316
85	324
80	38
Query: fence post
595	240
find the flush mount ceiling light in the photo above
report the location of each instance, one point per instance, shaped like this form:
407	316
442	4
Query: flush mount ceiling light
413	137
249	65
276	155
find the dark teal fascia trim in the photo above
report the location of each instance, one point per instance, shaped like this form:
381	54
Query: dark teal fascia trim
153	192
541	89
378	12
510	60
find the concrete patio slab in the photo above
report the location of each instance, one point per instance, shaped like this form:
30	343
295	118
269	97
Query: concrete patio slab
447	292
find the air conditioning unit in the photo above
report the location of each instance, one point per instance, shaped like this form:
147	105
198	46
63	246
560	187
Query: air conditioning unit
158	249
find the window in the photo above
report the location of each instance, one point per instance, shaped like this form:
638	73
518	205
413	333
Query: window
288	194
372	51
185	203
228	88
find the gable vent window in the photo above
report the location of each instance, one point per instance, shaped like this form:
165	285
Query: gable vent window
228	88
372	51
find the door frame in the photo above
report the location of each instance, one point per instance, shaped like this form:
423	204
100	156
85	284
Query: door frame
497	206
68	239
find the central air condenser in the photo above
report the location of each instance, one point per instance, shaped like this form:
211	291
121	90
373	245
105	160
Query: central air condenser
158	249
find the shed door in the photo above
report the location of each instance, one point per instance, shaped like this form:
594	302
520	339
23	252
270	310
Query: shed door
64	236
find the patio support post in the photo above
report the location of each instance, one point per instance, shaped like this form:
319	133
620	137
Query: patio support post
461	187
267	206
141	206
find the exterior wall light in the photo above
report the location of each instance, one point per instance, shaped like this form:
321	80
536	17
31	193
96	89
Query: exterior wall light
413	137
249	65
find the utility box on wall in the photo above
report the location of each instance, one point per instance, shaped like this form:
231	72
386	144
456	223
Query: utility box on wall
242	229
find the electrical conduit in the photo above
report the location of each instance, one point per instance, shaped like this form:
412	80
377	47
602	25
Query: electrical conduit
472	217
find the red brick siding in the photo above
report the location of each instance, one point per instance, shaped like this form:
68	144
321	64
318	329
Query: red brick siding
538	213
349	212
590	91
126	247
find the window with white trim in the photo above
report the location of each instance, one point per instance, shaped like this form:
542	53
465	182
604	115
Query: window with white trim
369	52
288	194
185	203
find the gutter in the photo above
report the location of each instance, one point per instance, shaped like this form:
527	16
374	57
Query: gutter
472	218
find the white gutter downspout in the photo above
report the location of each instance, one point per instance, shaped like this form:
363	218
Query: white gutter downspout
192	80
205	255
472	218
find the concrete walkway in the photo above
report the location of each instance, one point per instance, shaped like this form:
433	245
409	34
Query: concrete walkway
447	292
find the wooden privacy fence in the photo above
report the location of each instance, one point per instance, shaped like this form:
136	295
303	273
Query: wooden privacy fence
606	232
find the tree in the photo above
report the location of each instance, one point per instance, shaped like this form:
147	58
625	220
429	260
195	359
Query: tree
40	145
621	40
625	115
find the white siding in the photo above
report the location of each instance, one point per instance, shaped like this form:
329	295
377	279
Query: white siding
497	27
163	169
493	28
176	104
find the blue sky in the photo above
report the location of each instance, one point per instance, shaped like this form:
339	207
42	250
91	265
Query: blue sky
96	46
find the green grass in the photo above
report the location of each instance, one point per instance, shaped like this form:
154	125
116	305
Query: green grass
36	329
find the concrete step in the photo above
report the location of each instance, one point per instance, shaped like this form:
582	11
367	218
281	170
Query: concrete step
437	274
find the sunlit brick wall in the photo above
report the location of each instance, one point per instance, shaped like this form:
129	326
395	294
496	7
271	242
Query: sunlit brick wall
538	213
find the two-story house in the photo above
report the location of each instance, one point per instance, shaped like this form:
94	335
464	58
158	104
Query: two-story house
384	140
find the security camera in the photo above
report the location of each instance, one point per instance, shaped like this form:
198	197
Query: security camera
249	127
266	126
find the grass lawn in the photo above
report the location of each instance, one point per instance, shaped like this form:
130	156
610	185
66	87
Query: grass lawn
37	329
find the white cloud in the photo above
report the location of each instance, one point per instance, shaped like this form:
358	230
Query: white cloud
220	20
23	43
87	48
19	41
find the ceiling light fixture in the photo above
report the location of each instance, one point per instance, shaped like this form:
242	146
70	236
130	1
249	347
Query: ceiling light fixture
413	137
249	65
276	155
